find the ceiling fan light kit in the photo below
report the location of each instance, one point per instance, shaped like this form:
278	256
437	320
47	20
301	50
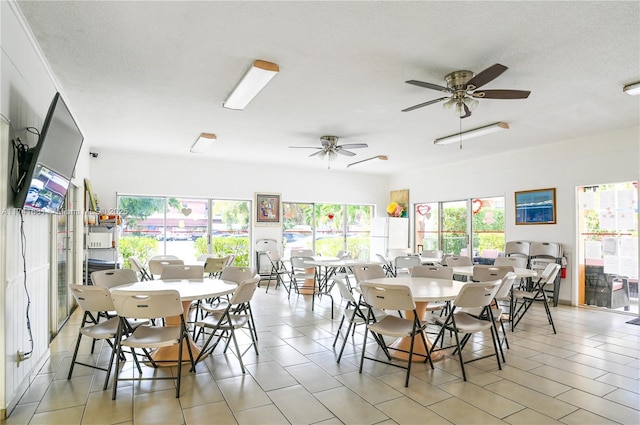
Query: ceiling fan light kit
633	89
203	142
256	78
476	132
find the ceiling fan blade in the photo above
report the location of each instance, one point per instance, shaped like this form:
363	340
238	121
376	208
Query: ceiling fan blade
304	147
427	85
502	94
322	153
431	102
344	152
354	146
486	76
381	157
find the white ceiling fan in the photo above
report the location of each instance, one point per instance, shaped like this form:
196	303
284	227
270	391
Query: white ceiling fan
331	149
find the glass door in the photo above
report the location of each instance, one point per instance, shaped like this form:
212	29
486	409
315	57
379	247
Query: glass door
298	225
487	224
64	265
454	218
608	246
427	219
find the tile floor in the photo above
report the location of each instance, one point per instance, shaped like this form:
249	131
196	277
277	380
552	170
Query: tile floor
589	373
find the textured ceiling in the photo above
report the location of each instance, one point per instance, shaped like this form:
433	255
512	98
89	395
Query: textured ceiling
151	76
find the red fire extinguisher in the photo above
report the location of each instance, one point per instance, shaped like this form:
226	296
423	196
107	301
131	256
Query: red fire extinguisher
563	268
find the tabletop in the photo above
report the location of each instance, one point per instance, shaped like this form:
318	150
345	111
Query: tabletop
335	262
468	271
190	290
425	289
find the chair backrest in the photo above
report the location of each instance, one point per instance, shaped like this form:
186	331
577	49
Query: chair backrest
387	296
343	255
344	291
517	247
203	257
505	287
459	261
264	245
406	261
182	272
516	262
214	265
383	261
490	253
434	272
398	252
237	274
115	277
245	291
302	253
146	304
230	258
92	297
274	257
136	264
298	263
164	257
545	249
477	294
432	253
483	273
372	271
156	266
550	272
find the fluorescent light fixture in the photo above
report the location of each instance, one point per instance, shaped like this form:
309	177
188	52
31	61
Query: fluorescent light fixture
633	89
476	132
381	157
260	73
202	144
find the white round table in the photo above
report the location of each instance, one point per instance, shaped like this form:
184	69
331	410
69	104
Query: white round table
424	290
189	290
468	271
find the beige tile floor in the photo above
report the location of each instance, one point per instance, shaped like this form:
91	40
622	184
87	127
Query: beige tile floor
589	373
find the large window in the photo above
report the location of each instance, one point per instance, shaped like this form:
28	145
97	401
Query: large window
184	227
327	228
473	227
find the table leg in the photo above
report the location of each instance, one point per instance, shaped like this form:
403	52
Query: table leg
309	287
404	343
169	354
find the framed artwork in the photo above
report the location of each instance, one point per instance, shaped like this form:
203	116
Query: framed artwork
536	206
268	209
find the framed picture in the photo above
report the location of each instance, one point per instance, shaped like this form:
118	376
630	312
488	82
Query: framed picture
536	206
268	209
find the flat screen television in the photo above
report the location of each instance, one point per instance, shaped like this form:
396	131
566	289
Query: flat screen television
48	168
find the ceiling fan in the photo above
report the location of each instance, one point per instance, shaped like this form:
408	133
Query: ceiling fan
331	148
462	87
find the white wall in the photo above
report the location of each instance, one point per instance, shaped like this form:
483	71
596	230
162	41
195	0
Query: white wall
601	158
26	90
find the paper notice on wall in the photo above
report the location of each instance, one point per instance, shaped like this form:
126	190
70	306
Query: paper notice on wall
626	199
611	264
593	249
629	247
625	219
588	200
610	246
607	220
608	200
628	267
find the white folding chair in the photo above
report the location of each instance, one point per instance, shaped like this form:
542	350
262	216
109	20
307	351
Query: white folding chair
523	299
114	277
149	305
235	316
170	272
392	297
403	264
471	296
139	268
278	270
156	265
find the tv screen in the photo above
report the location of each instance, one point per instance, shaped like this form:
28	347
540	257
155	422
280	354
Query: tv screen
46	177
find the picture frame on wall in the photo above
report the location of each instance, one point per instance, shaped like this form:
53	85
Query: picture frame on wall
268	209
535	206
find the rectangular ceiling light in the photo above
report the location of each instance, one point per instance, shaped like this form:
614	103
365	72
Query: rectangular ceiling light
260	73
476	132
632	89
202	144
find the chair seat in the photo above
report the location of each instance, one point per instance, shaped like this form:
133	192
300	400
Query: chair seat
518	293
237	321
467	324
103	330
153	336
392	326
215	307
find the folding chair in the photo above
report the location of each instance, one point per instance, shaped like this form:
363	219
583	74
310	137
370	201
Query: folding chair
537	293
278	269
392	297
137	266
148	305
471	296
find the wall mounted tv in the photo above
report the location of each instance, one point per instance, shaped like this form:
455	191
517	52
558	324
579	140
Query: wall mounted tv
47	169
